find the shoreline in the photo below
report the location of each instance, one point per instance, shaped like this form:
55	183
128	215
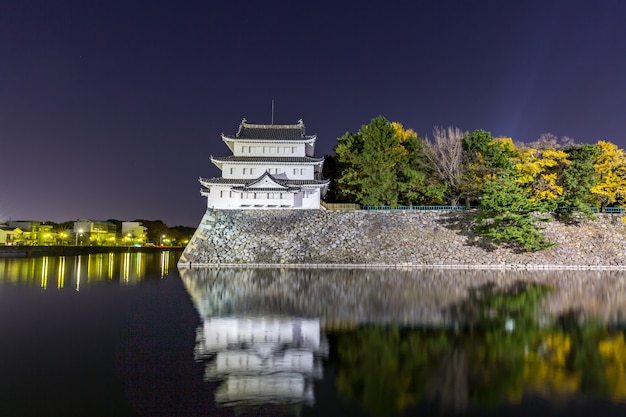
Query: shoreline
402	266
9	252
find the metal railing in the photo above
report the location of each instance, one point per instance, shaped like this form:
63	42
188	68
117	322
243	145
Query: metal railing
594	209
415	208
355	206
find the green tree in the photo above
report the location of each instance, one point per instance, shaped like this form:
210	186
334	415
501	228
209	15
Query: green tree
484	158
578	179
507	215
154	229
378	165
180	235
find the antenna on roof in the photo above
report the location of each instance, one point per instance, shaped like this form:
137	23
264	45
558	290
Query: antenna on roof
272	111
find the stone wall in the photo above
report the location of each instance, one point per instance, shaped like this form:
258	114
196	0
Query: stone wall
430	239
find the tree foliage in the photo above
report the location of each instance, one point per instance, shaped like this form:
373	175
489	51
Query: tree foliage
379	165
578	179
610	169
539	172
385	164
484	158
508	215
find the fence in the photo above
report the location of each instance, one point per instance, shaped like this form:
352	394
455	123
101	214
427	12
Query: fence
415	208
595	209
354	206
340	206
613	210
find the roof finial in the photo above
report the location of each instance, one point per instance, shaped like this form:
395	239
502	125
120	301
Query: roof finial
272	111
243	122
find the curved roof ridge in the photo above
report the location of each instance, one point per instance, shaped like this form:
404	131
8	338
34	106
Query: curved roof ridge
244	123
273	159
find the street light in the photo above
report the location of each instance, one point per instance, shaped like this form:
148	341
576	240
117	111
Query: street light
162	239
80	231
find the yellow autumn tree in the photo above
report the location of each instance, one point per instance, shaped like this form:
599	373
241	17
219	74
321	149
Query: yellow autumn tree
610	168
539	172
403	134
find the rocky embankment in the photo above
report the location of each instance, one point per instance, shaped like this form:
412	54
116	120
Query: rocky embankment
425	239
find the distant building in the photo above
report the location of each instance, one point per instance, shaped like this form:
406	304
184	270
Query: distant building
8	236
95	232
134	231
271	167
31	232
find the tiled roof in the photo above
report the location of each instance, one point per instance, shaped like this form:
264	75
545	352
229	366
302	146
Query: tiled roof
277	190
261	159
233	181
225	181
270	132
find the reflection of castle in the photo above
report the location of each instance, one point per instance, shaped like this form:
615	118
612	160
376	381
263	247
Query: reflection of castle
263	359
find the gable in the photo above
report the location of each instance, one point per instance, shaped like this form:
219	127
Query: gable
265	181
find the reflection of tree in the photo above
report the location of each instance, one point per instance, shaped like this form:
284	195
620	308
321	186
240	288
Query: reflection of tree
448	386
501	327
546	369
613	351
386	368
492	352
585	356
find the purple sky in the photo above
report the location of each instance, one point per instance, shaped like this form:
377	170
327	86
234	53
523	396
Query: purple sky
111	109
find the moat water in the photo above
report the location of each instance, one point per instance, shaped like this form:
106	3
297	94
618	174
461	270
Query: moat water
132	335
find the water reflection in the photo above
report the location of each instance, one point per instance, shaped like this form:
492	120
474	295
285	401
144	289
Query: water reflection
77	271
453	340
262	359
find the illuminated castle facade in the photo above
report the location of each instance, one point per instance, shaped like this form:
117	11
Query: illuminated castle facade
271	167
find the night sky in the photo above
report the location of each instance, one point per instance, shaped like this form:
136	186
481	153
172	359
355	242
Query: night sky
111	109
